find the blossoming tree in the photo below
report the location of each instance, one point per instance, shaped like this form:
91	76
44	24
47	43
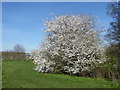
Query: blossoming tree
72	45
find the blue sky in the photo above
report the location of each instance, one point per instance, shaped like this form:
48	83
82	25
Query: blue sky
22	22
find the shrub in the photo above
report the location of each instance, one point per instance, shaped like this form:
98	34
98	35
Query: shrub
72	46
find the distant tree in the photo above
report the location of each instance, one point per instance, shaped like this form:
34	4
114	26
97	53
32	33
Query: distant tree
19	48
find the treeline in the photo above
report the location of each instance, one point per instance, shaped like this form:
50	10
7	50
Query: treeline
18	53
10	55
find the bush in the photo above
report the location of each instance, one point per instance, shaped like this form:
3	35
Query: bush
72	46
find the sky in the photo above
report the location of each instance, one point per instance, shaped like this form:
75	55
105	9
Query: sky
22	22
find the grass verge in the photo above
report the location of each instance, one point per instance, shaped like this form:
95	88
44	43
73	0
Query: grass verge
20	74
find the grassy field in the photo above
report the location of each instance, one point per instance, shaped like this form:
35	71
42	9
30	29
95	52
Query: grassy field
20	74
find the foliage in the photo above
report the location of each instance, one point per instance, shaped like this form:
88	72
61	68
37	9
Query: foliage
111	64
108	69
72	46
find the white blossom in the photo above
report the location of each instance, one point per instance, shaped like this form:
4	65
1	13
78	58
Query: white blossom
72	40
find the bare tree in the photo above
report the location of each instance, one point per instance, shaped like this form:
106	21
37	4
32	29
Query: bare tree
19	48
114	30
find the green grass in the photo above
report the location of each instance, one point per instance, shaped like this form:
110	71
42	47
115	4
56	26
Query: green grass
20	74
